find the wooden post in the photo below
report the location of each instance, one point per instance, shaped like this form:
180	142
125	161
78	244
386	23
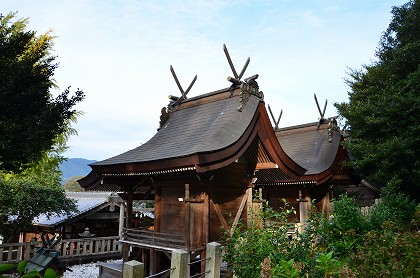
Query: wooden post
187	216
249	209
214	256
121	220
129	209
303	212
179	264
133	269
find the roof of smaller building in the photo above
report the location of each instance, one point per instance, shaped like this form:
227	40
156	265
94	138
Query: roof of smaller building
85	202
313	146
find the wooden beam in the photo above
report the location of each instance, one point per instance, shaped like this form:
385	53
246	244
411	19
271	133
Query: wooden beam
218	210
266	165
239	212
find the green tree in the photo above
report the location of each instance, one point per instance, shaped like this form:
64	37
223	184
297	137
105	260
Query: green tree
72	185
24	197
383	112
34	129
31	120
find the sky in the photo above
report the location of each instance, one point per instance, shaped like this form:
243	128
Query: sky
119	53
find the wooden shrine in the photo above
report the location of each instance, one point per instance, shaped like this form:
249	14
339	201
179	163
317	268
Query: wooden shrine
210	153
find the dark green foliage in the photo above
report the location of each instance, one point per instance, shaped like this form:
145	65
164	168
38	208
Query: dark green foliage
345	245
348	216
247	247
23	197
10	268
394	208
30	118
383	112
49	273
21	266
388	254
6	268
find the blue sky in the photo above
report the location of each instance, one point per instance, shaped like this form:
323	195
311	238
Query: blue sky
119	53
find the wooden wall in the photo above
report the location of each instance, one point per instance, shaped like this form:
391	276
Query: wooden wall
210	207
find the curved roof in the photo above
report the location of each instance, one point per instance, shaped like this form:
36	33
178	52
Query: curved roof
206	132
312	147
193	129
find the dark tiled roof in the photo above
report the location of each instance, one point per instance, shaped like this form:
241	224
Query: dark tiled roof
309	146
194	128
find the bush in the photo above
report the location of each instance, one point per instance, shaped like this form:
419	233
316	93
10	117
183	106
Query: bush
345	245
388	254
395	208
248	246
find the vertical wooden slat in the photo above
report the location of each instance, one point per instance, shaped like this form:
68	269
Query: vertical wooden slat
78	248
71	248
90	246
1	255
27	252
108	245
19	253
10	253
96	246
103	245
84	247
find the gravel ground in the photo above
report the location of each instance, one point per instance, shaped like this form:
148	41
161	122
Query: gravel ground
82	271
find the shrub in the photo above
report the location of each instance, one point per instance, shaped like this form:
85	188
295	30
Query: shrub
388	254
395	208
265	236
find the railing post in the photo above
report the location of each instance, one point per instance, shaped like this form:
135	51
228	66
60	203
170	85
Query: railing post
179	264
214	260
133	269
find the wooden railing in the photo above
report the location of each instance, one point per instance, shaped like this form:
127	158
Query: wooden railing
15	252
69	248
154	238
89	246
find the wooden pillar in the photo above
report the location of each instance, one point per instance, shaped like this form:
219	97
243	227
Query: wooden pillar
125	251
129	209
249	208
187	216
203	256
121	220
158	205
303	211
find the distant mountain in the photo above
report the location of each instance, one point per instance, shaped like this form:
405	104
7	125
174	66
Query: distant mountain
75	167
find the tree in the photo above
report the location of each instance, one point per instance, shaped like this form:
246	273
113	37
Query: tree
24	197
31	120
383	112
72	185
34	129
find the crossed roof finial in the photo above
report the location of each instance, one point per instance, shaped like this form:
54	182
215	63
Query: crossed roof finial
276	127
321	119
183	93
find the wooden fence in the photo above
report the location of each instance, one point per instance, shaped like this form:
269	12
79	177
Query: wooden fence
154	238
368	209
70	249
